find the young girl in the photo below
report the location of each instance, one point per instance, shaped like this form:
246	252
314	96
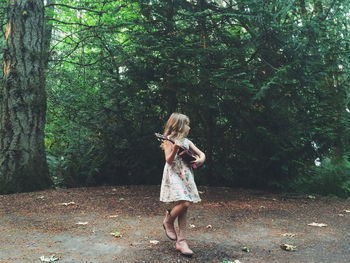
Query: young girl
178	182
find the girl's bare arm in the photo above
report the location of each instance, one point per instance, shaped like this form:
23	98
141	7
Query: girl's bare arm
201	156
170	151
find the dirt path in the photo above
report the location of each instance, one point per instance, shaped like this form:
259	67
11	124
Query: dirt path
38	224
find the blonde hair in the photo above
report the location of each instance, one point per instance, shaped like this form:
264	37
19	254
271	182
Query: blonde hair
175	126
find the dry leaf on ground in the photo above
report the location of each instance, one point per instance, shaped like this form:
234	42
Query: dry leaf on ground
113	216
116	234
48	259
317	224
287	247
245	249
288	235
67	204
82	223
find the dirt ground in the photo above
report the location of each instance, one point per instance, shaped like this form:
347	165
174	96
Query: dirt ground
39	224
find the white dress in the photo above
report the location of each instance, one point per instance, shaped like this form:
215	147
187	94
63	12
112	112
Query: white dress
178	180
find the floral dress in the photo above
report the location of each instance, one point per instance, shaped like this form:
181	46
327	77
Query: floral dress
178	180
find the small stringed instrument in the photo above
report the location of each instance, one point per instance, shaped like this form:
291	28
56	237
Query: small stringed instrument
187	155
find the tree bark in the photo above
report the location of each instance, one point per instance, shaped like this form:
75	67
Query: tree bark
23	100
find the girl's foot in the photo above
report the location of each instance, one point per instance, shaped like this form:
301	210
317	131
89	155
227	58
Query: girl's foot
168	225
182	246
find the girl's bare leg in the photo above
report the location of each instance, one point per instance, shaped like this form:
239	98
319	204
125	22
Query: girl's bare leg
179	208
170	216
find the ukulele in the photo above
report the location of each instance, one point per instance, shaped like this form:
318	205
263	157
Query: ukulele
187	155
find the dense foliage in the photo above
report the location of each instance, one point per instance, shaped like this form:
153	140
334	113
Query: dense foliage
265	84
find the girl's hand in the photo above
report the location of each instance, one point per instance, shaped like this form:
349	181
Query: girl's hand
200	158
198	162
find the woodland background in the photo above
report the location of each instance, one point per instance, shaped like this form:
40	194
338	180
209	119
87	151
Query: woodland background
264	82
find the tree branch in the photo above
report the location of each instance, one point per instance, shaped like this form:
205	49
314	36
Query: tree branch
79	64
76	8
70	23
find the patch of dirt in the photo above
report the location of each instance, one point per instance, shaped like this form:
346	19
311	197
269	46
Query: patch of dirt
45	223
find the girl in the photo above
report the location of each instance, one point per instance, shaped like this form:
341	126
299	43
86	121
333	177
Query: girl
178	182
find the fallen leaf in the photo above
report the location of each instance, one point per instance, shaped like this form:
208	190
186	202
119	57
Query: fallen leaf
317	224
117	234
287	247
288	235
245	249
67	204
209	226
48	259
82	223
155	242
113	216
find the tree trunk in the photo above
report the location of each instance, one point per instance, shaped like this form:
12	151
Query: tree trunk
23	100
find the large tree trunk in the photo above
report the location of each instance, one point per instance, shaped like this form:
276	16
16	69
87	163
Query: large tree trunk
23	100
